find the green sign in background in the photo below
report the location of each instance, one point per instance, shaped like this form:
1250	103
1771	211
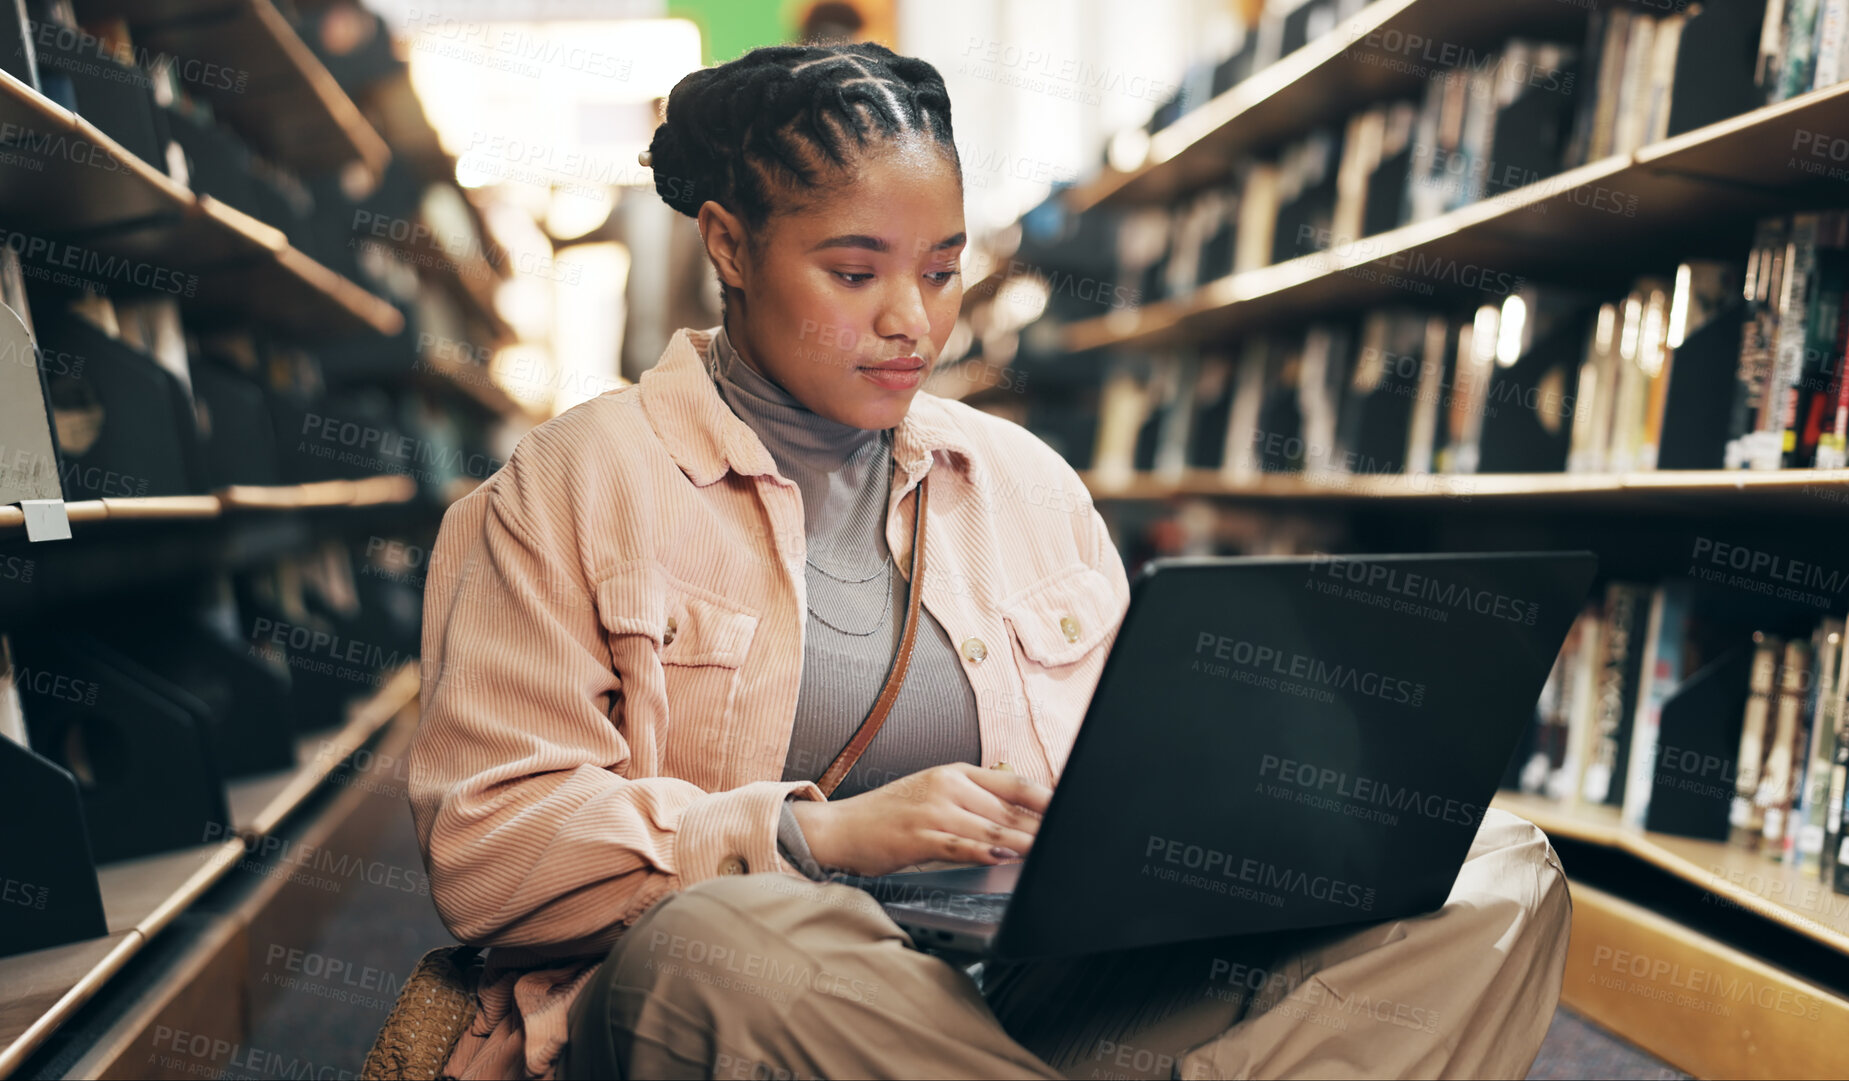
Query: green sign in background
730	28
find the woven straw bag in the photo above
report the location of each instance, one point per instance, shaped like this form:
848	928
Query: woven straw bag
434	1008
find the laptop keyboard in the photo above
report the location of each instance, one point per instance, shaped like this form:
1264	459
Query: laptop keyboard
981	907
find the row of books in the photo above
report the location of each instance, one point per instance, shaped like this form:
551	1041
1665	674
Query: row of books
1803	45
1720	364
1691	723
1492	121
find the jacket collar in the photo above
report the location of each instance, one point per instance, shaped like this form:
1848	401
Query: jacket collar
705	438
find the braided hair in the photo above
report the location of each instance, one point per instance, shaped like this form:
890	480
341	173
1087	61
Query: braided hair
757	132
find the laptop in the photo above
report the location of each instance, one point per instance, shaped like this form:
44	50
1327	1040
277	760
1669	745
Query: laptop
1273	744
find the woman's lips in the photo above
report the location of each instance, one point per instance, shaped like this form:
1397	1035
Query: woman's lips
900	377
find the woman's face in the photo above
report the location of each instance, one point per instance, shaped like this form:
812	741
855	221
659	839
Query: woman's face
868	274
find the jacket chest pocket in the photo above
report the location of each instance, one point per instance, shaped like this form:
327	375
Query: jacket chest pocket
680	651
1062	628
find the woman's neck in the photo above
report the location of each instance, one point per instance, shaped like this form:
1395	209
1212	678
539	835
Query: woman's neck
800	439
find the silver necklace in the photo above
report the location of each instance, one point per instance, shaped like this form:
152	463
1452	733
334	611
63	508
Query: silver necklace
885	595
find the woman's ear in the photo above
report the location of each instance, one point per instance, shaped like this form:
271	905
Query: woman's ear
724	236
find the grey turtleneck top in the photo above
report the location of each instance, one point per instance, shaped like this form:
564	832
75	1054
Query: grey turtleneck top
857	600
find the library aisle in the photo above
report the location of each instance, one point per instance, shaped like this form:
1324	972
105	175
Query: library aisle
287	287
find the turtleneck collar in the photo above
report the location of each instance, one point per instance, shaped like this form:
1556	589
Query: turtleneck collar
800	439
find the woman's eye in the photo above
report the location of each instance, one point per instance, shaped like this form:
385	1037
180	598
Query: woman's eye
945	276
844	275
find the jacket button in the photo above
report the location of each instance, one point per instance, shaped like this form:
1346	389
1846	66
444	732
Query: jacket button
668	635
1071	628
974	650
732	865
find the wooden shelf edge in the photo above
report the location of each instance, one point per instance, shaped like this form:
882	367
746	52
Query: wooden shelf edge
1207	483
368	146
365	492
1600	826
35	1034
365	718
1694	1001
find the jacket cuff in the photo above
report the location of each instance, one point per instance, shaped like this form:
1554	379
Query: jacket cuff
735	831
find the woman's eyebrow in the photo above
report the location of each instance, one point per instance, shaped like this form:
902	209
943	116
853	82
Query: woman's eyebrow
878	244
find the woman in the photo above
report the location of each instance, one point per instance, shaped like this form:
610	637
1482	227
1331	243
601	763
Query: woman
656	626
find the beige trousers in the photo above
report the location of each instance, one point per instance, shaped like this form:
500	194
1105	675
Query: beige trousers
772	976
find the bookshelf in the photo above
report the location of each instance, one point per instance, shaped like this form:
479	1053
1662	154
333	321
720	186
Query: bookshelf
1259	334
222	454
1561	227
242	265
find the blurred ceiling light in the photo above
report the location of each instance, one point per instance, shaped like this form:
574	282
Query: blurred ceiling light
1509	338
1020	300
1483	334
565	104
1128	149
570	214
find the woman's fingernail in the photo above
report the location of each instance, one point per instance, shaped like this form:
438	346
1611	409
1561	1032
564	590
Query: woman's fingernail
1001	853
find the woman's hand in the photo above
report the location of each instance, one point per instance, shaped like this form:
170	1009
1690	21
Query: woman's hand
956	812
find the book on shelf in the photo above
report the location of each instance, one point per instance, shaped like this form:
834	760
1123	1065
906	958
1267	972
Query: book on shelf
1804	840
1662	669
1771	799
1620	666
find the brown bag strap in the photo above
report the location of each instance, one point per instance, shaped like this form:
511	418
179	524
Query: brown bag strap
837	770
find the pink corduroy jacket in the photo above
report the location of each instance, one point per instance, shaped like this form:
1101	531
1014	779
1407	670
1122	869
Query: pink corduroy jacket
613	636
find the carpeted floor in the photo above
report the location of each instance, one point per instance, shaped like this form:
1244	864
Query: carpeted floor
387	930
